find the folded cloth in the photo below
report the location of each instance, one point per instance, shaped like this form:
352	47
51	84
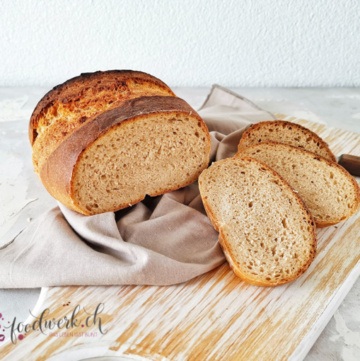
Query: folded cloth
160	241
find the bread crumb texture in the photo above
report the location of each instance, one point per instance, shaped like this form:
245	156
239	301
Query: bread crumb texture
266	232
281	131
328	190
146	156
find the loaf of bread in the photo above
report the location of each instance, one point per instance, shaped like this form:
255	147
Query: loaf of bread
150	143
280	131
266	232
69	105
328	190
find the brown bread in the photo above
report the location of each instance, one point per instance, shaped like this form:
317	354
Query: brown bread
265	230
69	105
146	146
103	141
328	190
281	131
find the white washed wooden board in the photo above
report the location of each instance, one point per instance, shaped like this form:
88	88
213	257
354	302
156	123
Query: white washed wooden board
215	316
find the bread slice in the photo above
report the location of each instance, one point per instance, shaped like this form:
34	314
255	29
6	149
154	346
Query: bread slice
69	105
146	146
266	232
328	190
280	131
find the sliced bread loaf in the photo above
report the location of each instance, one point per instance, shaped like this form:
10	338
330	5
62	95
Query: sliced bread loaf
288	133
69	105
266	232
146	146
328	190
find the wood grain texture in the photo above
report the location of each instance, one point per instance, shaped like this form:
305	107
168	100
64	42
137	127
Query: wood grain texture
215	316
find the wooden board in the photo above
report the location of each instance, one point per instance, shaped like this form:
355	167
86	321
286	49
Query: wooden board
213	317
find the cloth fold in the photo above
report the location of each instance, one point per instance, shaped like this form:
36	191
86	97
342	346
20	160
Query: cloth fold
160	241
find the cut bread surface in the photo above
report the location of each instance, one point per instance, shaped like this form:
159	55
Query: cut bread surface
266	232
68	106
328	190
139	158
281	131
148	146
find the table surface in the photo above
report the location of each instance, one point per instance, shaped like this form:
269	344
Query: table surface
335	107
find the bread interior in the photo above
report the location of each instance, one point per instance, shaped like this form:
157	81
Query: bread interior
327	190
287	133
139	157
266	234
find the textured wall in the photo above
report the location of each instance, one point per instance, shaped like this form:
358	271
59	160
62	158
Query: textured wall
184	42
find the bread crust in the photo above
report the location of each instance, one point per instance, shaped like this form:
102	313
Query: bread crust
226	247
71	89
57	172
285	124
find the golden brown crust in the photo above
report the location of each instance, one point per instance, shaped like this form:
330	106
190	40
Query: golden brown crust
73	89
226	247
57	172
285	124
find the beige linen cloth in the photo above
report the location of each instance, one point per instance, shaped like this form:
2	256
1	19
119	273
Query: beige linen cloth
161	241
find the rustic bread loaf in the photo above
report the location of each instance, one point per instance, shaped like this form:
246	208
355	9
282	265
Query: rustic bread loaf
328	190
103	141
280	131
266	232
69	105
146	146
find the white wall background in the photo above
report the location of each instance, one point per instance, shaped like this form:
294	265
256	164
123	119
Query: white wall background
183	42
